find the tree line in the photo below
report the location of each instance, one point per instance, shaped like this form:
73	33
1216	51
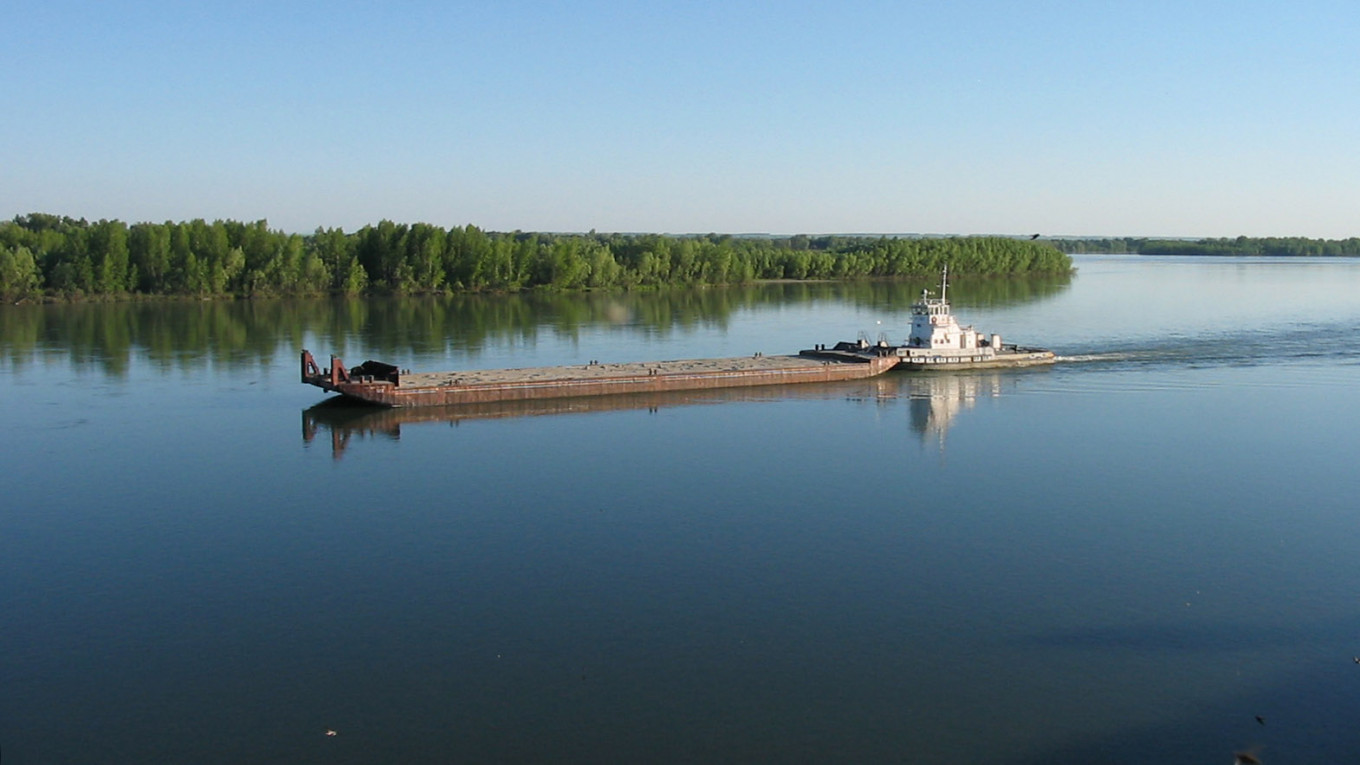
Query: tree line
57	256
1241	246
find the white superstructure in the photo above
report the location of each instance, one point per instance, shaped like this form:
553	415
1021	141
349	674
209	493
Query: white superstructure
937	338
933	325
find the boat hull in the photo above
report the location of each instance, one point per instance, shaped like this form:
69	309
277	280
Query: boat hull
918	361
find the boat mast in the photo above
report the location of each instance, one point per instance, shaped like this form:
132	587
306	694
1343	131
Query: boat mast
944	283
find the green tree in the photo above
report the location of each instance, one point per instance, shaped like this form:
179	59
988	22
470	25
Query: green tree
108	247
336	252
149	252
19	277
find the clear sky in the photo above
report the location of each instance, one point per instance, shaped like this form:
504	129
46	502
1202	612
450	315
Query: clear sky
1141	118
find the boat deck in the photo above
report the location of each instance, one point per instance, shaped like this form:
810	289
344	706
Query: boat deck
602	370
386	385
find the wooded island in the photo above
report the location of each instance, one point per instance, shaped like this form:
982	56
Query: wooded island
59	257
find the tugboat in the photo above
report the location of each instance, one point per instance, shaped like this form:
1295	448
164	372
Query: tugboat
937	341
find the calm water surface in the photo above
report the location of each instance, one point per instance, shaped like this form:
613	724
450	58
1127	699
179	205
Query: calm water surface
1125	558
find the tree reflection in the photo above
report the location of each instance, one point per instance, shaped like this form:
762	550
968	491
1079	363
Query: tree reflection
172	334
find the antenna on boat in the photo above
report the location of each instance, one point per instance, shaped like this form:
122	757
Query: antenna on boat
944	283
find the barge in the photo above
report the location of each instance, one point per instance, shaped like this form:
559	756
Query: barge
936	342
386	385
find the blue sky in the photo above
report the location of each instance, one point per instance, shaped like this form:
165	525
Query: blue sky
1081	118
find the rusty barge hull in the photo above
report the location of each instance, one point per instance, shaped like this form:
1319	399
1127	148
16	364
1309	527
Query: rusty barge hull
385	385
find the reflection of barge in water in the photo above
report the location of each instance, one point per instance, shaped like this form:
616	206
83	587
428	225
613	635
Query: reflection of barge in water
347	421
937	341
932	401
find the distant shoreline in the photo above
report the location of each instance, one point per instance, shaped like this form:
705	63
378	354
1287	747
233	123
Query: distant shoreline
1242	246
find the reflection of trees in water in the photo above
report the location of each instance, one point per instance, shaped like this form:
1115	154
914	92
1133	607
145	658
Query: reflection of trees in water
168	335
183	334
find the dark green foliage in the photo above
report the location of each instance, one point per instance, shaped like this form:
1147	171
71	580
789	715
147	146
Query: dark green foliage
1242	246
75	258
1267	247
19	276
1119	246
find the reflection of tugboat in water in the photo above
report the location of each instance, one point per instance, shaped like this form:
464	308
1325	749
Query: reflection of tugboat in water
937	340
935	400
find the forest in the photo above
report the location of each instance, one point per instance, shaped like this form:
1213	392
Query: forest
1241	246
57	257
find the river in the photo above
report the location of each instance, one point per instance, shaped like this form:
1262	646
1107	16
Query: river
1144	553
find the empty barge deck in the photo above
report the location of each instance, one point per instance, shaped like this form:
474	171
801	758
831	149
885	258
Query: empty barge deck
386	385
